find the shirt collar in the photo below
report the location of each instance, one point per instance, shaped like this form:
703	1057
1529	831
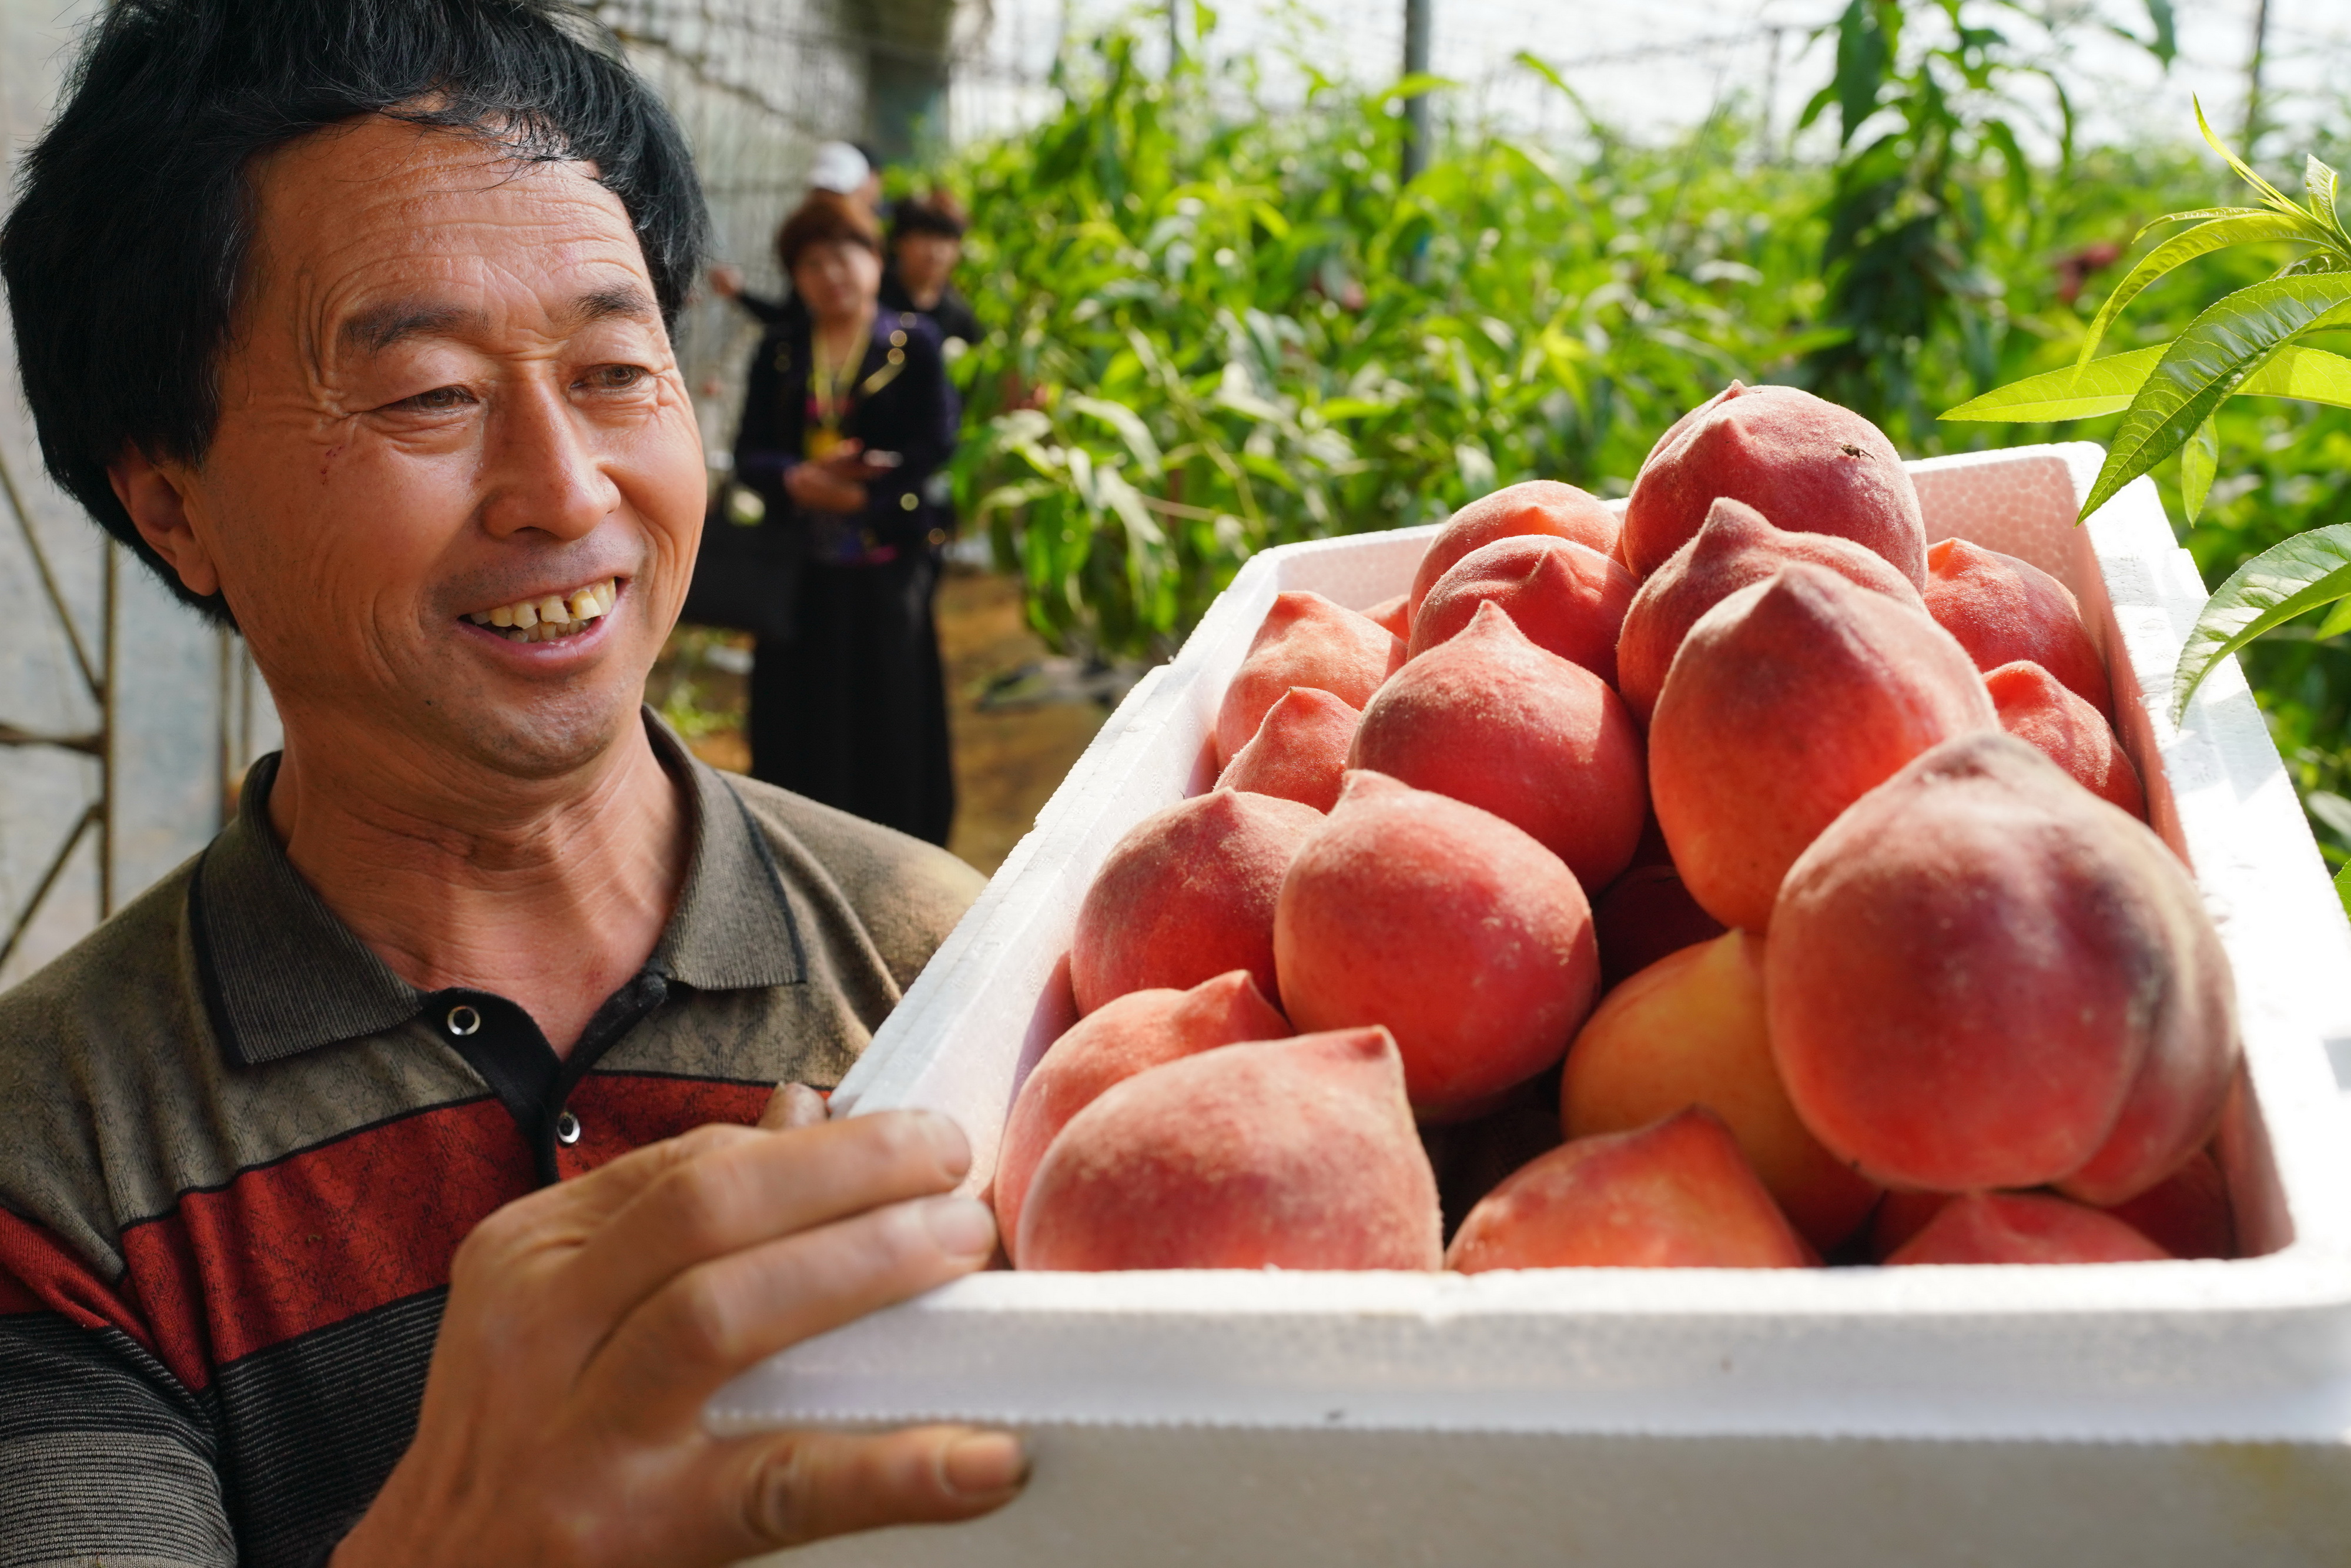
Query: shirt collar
281	975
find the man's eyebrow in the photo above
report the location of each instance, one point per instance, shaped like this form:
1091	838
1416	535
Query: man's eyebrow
379	327
622	299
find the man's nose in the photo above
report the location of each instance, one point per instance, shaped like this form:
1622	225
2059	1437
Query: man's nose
543	469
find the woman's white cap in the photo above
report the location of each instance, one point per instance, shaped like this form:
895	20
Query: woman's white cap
839	167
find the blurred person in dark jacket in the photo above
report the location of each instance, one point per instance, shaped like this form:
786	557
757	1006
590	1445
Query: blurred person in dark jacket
847	418
925	242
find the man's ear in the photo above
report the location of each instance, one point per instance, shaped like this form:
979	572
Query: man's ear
153	497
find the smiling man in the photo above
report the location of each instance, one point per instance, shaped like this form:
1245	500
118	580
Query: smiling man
393	1182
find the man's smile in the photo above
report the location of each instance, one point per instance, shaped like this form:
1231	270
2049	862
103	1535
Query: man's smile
547	616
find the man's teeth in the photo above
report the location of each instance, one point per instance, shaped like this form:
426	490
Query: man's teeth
553	615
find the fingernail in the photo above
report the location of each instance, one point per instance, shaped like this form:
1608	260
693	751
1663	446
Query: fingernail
962	1226
985	1462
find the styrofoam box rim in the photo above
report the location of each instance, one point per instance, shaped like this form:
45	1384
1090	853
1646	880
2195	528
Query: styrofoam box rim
2253	1349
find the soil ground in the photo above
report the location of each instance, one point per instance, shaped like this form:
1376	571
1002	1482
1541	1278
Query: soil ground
1008	757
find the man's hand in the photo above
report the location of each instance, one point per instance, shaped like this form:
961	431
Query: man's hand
588	1322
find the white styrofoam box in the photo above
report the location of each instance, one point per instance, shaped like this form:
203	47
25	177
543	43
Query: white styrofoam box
1920	1416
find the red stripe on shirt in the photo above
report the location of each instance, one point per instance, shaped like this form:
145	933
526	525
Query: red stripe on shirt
39	1274
619	1111
332	1232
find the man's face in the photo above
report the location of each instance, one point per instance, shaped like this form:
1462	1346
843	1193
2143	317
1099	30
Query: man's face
925	260
450	397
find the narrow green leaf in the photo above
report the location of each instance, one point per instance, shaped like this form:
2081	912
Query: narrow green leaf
2248	227
2166	31
1130	428
2337	621
2314	375
2205	365
2077	391
2198	461
2332	809
1415	86
2343	888
2321	181
2270	194
2307	571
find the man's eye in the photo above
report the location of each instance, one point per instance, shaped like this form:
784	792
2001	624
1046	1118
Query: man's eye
440	400
616	378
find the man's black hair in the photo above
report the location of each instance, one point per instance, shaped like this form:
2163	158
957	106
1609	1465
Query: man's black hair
133	227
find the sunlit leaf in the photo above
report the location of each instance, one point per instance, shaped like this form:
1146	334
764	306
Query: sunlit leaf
2337	621
2208	362
2343	888
1130	428
1416	85
2247	227
2314	375
2321	182
2199	459
2306	572
2332	809
2083	392
2166	31
2270	194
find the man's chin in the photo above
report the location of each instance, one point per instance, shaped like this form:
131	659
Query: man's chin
550	737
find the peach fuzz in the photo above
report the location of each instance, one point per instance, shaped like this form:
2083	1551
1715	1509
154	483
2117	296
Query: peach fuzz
1489	718
1188	894
2037	709
1788	702
1536	506
1290	1153
1298	752
1646	914
1568	599
1394	616
2023	1228
1673	1195
1689	1031
1804	462
1982	976
1737	545
1118	1039
1304	641
1469	940
2003	610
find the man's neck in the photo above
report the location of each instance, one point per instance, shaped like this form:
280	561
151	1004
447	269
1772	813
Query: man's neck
550	893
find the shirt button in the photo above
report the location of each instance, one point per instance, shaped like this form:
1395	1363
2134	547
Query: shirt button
567	1129
463	1019
908	502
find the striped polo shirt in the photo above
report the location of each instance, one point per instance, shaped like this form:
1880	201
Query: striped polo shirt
237	1154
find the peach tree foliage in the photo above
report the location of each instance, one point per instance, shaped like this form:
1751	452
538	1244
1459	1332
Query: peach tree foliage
1215	328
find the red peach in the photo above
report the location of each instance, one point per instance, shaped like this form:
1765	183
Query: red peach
2003	610
1304	641
1489	718
1982	976
1689	1031
1674	1194
2023	1228
1803	463
1118	1039
1568	599
1789	701
1536	506
2188	1213
1298	752
1292	1154
1393	615
1469	940
1185	896
1737	545
2062	726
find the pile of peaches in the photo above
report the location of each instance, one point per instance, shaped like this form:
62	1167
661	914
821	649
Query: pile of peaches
1750	884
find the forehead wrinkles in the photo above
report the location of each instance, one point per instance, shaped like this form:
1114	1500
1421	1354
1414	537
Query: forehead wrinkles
381	204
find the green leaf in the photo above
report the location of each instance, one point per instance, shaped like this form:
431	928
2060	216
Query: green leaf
2077	391
2343	888
2166	31
1130	428
2245	226
2321	182
2270	194
2198	461
2314	375
1415	85
2206	364
2332	809
2337	621
2307	571
1861	61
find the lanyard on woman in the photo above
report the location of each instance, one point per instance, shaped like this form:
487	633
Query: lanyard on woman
830	399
